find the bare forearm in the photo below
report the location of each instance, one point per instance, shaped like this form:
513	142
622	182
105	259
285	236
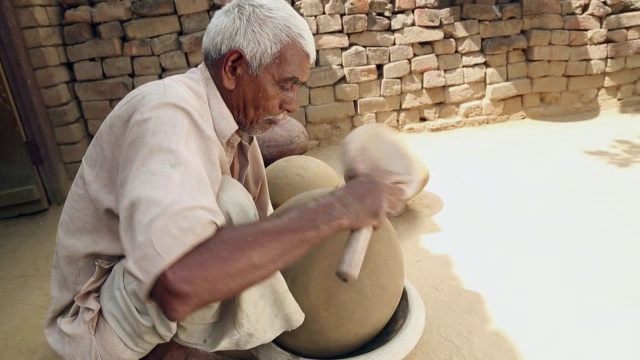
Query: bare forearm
237	257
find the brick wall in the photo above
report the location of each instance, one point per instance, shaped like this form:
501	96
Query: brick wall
412	64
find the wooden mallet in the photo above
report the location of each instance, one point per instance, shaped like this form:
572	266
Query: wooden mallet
376	150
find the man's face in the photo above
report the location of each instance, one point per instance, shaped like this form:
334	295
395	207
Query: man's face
268	97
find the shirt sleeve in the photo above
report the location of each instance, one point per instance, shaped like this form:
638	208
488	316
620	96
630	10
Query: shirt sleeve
166	195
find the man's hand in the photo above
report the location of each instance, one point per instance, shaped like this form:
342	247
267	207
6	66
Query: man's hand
364	201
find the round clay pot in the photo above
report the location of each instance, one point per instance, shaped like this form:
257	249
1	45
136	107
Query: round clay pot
287	138
296	174
342	317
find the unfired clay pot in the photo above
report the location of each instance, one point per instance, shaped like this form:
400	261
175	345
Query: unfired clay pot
287	138
342	317
293	175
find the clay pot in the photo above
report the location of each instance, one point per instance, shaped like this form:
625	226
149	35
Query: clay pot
296	174
287	138
342	317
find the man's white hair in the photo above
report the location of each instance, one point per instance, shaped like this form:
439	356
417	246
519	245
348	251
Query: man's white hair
260	28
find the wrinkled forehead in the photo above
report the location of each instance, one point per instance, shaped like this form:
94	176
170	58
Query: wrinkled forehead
291	62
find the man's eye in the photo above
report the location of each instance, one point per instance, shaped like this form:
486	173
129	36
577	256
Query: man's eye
286	87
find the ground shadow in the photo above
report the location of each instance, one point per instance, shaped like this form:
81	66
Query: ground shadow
621	153
458	323
562	115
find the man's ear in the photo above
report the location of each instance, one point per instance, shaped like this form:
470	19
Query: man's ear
234	66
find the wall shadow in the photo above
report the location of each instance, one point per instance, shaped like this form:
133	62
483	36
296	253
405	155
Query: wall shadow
621	153
458	324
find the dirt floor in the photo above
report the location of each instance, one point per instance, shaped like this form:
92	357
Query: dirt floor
524	245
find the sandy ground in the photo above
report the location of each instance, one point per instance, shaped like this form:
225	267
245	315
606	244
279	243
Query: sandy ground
524	245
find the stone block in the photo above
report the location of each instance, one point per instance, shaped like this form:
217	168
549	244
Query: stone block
454	77
389	118
551	52
146	65
530	100
411	82
369	89
448	62
588	52
445	46
481	12
74	152
516	56
379	104
362	119
400	52
557	68
173	60
371	38
596	66
195	57
356	7
407	117
422	49
496	75
402	5
96	109
77	33
416	34
56	95
194	22
361	73
469	44
500	28
615	65
474	73
377	23
329	23
619	21
87	70
577	38
327	57
624	49
191	42
190	6
618	36
42	36
517	70
303	96
117	66
464	93
633	33
80	14
560	37
137	48
44	56
471	109
94	49
550	7
396	69
585	82
390	87
475	58
65	114
346	92
327	113
377	55
152	7
450	15
151	27
321	95
430	113
448	111
399	21
433	79
622	77
542	21
424	63
165	43
576	68
508	89
427	17
462	29
111	11
114	88
32	17
422	97
325	75
581	22
538	69
54	75
510	11
538	37
313	25
354	23
92	127
633	62
496	45
110	30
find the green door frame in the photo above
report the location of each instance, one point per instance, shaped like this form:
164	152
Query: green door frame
30	104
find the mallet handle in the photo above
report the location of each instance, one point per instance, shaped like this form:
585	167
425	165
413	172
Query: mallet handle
351	261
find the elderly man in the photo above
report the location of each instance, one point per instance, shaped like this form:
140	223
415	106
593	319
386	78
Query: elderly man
164	247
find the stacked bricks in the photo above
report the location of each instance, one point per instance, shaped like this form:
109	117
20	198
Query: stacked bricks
411	64
41	23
